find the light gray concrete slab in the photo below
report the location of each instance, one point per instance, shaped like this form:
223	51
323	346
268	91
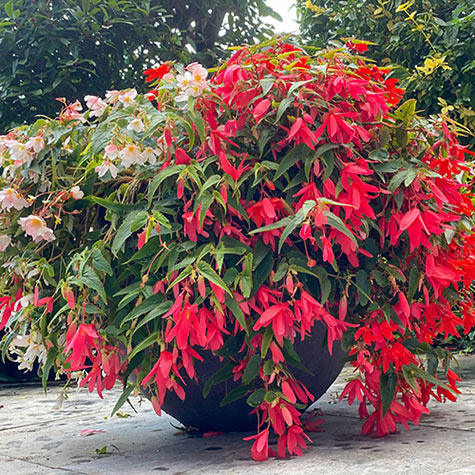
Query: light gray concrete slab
36	437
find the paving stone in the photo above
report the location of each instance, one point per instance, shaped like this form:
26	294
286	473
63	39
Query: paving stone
38	437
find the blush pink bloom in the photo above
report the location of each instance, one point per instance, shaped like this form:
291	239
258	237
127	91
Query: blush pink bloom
130	155
107	166
136	125
36	143
128	98
96	105
5	241
18	151
76	193
111	152
111	96
35	227
10	198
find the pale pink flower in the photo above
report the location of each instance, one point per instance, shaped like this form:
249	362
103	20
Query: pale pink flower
169	77
18	151
184	80
107	166
111	152
112	96
76	193
136	125
198	72
36	143
10	198
128	98
150	155
5	241
96	105
35	227
130	155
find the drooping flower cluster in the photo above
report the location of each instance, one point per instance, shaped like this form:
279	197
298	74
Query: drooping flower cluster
237	215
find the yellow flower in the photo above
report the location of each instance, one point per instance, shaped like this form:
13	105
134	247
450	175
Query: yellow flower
314	8
432	63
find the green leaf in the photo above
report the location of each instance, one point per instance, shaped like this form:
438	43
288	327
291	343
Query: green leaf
183	275
52	354
406	111
91	280
298	219
413	282
123	233
149	341
397	180
206	201
115	206
266	341
325	284
99	262
158	311
336	222
148	305
231	303
139	222
363	286
257	397
295	154
220	376
231	346
234	395
262	272
380	155
283	106
278	224
387	386
163	175
252	369
210	274
123	398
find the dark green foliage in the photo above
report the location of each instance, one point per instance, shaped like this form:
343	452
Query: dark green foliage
70	48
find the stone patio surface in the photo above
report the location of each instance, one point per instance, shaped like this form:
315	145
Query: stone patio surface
37	437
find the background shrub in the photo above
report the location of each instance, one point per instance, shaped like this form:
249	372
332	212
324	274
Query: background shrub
431	42
70	48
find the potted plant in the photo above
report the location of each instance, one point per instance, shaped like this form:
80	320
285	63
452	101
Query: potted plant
236	237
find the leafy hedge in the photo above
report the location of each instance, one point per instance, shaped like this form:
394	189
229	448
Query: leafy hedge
431	42
70	48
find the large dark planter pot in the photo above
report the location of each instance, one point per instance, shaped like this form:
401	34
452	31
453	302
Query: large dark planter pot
207	415
9	373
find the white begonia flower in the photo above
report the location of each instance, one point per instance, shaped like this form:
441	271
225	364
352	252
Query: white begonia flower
96	105
10	198
184	80
22	303
36	143
111	152
76	193
136	125
18	151
128	97
150	155
35	227
107	166
35	350
5	241
130	155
